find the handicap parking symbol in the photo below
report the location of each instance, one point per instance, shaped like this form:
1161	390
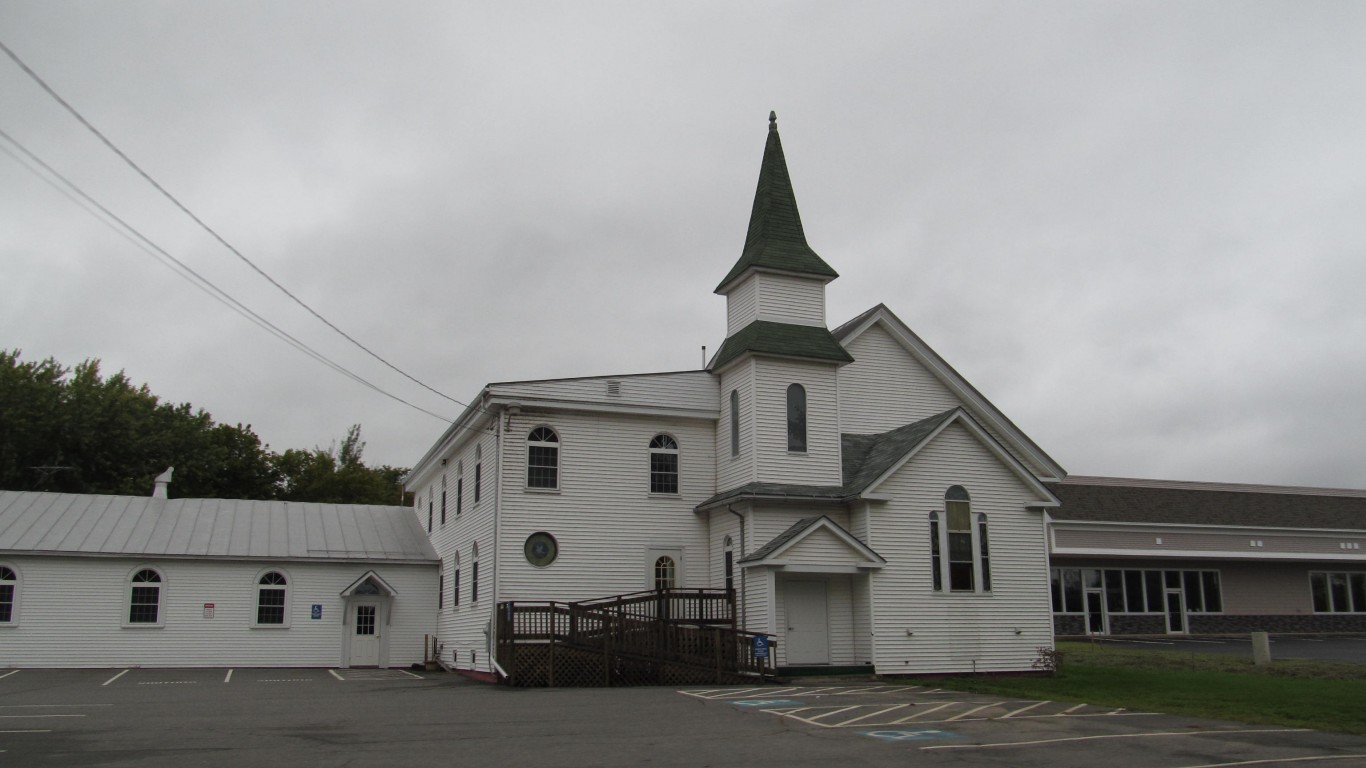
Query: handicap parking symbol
767	703
909	735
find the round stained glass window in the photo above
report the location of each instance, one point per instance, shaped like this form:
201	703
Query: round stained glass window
541	549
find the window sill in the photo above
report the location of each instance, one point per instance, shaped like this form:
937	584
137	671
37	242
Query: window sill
270	626
550	491
143	626
663	495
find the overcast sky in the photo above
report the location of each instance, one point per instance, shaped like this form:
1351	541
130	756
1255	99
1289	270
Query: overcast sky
1139	229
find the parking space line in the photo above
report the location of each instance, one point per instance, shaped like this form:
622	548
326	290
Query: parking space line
832	712
1025	709
1111	736
1272	761
333	672
228	677
15	717
30	730
1070	710
115	677
883	711
974	709
7	674
410	674
929	711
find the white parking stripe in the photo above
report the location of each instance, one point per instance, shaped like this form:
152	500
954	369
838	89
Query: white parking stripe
228	677
7	674
31	730
930	711
971	711
883	711
1273	761
115	677
832	712
15	717
1025	709
1070	710
1110	736
334	674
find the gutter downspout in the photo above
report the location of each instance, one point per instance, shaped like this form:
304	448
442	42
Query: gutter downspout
497	539
744	572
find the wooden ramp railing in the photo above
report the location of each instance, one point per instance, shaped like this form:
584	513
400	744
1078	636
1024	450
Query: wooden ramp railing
665	637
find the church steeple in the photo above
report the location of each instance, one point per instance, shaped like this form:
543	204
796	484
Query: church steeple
775	240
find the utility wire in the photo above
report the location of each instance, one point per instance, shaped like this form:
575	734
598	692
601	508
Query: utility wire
43	84
130	233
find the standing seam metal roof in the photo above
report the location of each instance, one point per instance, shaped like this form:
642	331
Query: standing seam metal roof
76	524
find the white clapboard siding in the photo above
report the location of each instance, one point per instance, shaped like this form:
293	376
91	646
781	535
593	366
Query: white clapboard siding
956	632
820	463
460	626
839	610
887	387
742	305
692	390
788	299
723	524
603	515
769	521
733	471
73	610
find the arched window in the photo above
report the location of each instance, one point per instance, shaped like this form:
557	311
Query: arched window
666	572
729	546
9	594
936	559
735	422
441	585
478	470
959	551
543	458
959	515
443	497
474	573
663	464
459	487
271	593
796	418
144	597
455	580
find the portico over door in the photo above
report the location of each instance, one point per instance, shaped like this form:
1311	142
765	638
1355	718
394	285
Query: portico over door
369	601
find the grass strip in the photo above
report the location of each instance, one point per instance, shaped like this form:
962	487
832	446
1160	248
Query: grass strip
1302	694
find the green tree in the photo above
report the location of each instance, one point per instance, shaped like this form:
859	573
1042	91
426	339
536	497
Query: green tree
77	431
338	475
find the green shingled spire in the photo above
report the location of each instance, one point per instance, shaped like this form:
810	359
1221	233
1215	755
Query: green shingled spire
775	239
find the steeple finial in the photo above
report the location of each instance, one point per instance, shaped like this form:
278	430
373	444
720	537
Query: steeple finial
773	121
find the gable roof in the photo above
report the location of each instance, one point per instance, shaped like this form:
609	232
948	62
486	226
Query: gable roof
776	240
1121	500
801	530
977	404
869	459
140	526
765	337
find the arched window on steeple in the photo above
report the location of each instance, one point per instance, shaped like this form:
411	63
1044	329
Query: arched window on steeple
796	418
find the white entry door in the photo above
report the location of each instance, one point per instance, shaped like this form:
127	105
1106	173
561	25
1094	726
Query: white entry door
365	633
808	630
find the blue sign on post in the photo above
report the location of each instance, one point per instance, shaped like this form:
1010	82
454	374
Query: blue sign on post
317	611
761	647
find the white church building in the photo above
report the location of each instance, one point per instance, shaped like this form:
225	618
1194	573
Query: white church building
864	504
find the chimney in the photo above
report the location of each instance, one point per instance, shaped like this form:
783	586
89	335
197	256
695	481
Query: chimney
163	480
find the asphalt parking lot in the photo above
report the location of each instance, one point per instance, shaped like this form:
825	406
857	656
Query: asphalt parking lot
395	718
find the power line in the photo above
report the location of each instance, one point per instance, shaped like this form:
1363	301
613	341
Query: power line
43	84
131	233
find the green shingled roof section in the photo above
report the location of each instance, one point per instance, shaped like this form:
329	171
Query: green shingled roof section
866	458
775	239
764	337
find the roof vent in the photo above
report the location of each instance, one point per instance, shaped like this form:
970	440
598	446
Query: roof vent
163	480
614	389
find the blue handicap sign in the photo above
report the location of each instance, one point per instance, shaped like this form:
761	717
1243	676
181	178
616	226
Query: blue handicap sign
761	647
317	612
909	735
